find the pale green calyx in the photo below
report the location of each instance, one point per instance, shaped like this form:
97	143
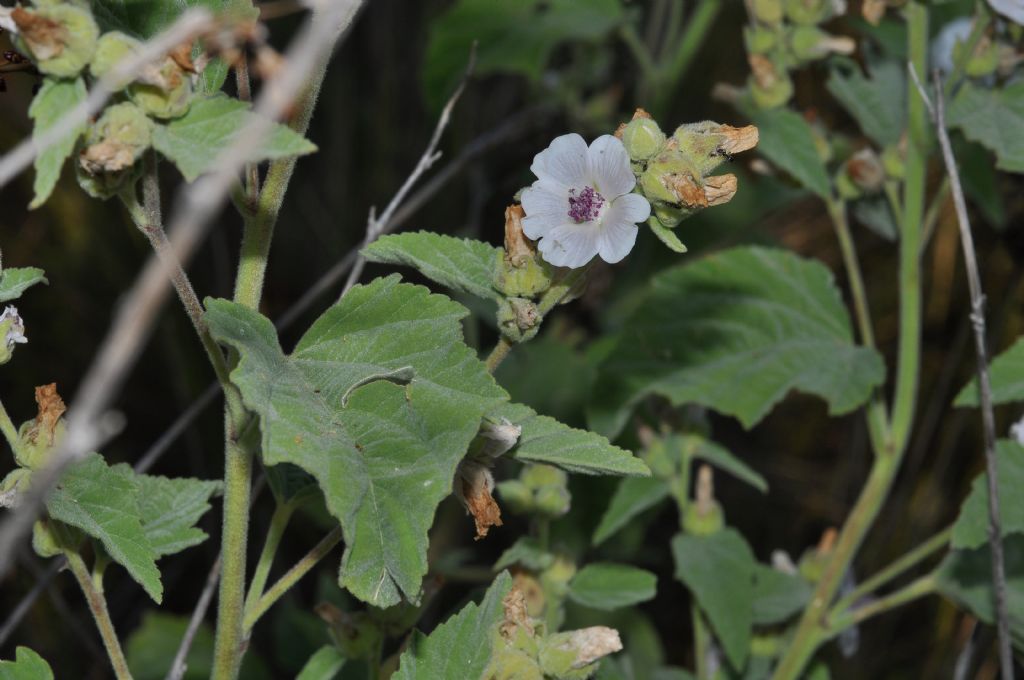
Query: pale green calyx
61	39
107	161
12	329
111	49
642	137
163	91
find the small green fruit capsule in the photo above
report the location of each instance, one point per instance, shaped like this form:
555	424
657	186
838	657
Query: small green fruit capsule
771	95
13	486
45	542
766	11
865	170
516	496
553	501
808	12
110	50
808	43
759	39
538	476
703	521
164	92
643	139
107	161
60	38
669	215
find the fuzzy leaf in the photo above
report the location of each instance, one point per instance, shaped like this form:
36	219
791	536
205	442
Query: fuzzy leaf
512	37
1006	378
993	117
323	665
700	448
103	501
719	570
461	264
876	103
666	236
633	496
54	99
971	528
460	648
27	665
603	585
14	282
778	596
392	447
787	141
965	576
545	440
145	18
194	141
759	318
169	510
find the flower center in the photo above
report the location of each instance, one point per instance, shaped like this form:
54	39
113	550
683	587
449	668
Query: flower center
585	205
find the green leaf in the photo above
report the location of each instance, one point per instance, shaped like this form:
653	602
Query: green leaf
323	665
971	528
290	483
463	265
54	99
1006	378
103	501
876	103
549	375
736	331
145	18
633	496
965	577
786	140
778	596
27	665
194	141
994	118
723	459
875	213
169	509
719	570
460	648
666	235
604	585
14	282
512	37
545	440
392	447
528	552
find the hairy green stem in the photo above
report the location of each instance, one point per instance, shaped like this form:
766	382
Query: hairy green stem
926	585
701	643
811	630
291	577
92	588
696	32
894	570
278	523
8	428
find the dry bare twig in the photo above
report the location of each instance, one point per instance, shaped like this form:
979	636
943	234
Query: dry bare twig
937	112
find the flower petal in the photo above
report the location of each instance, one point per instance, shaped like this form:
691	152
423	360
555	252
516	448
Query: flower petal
546	204
632	208
570	244
564	161
610	170
618	228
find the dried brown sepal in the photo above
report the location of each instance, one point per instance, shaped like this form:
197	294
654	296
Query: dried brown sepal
182	56
483	507
763	70
45	37
269	62
866	171
719	189
109	155
516	614
641	113
518	248
737	139
51	408
687	190
827	541
591	644
619	130
705	491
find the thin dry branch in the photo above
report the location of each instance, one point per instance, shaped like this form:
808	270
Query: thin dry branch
190	24
938	115
375	225
89	422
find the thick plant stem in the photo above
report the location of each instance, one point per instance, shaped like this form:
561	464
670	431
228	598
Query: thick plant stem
278	523
811	630
231	608
291	577
498	354
701	643
93	591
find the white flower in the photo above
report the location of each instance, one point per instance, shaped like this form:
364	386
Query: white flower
581	205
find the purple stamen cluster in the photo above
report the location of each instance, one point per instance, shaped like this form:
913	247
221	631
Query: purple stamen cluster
586	206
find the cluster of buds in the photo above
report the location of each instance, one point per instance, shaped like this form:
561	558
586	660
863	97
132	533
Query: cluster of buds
540	491
521	275
674	173
783	35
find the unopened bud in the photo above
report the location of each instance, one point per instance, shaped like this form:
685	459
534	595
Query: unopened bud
708	144
866	170
38	438
808	12
766	11
163	91
704	515
12	330
107	161
810	42
894	160
518	319
759	39
61	38
112	48
642	138
518	271
770	85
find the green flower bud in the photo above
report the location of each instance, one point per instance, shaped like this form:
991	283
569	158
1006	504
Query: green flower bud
110	50
164	92
107	161
643	138
60	38
669	215
808	12
538	476
865	170
808	43
528	280
518	319
845	186
708	144
553	501
516	496
983	62
771	96
703	522
766	11
38	438
12	332
45	542
760	40
893	162
14	486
